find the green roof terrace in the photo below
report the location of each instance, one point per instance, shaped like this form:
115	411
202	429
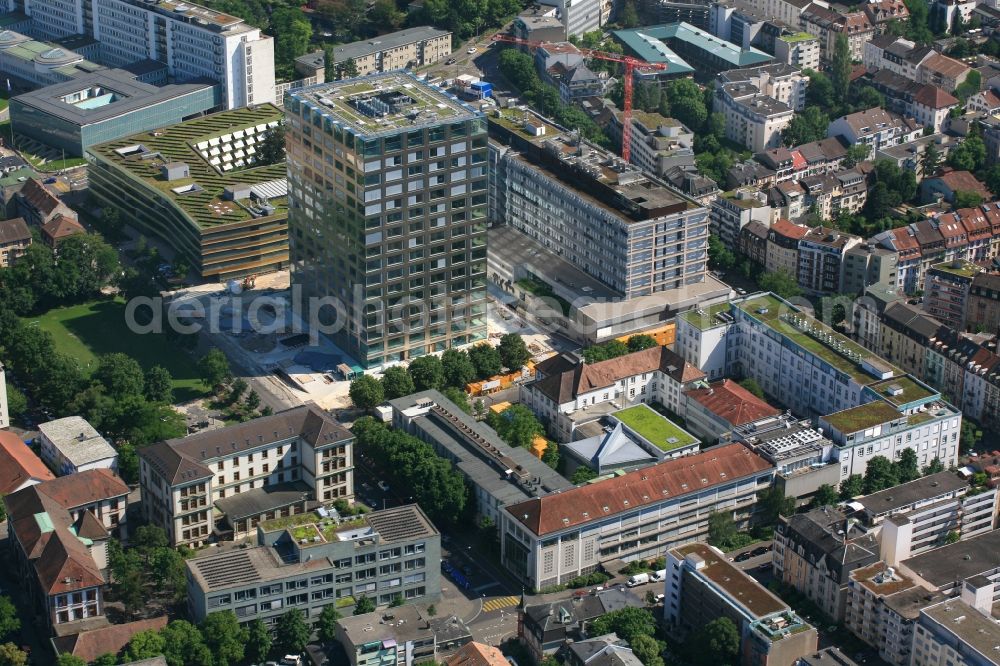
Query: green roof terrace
862	417
904	390
798	37
958	268
310	529
655	428
382	103
200	194
706	318
815	337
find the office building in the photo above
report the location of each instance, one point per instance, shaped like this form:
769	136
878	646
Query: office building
926	513
29	64
815	553
664	43
309	562
866	265
15	238
105	105
193	41
822	254
953	632
799	361
581	17
196	187
882	609
59	532
946	291
552	539
566	194
422	221
222	483
70	445
969	569
498	474
566	394
539	23
405	635
702	586
404	49
831	656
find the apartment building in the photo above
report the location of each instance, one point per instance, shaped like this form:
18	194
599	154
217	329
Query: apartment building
783	238
827	24
905	335
658	144
967	569
753	118
941	71
953	632
70	445
606	218
946	291
222	483
15	237
59	532
821	260
546	628
551	539
799	361
922	514
895	54
564	395
982	309
312	562
779	81
497	473
404	49
731	211
800	50
866	326
218	209
417	145
883	12
882	609
866	265
405	635
876	128
815	552
702	586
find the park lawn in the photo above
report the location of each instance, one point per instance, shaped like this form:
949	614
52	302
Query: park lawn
86	331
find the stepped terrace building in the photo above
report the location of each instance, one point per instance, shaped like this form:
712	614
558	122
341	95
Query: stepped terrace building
551	539
196	187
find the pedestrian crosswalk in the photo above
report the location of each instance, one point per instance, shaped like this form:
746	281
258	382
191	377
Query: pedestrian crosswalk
500	602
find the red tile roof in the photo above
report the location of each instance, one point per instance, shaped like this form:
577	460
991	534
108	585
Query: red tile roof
945	66
85	487
788	229
60	227
798	161
66	565
975	223
731	402
89	645
19	464
934	97
39	198
905	243
477	654
667	480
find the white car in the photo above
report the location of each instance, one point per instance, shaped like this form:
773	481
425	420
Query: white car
471	50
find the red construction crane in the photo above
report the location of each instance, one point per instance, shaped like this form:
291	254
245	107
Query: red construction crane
630	63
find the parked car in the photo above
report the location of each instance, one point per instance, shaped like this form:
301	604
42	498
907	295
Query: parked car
743	557
471	50
449	61
638	579
760	550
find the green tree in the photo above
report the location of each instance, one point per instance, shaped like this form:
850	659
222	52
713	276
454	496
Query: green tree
326	624
772	503
11	655
628	623
516	425
120	375
647	649
397	601
820	92
237	389
258	641
9	620
604	352
292	632
930	162
719	256
225	637
715	644
879	475
183	645
826	495
918	25
168	572
513	352
969	436
934	466
459	397
641	341
396	383
907	467
721	529
144	645
272	149
427	372
750	384
148	538
214	368
781	282
366	392
582	475
550	456
840	68
857	153
852	486
158	385
106	659
126	577
808	125
629	17
964	199
253	400
458	369
17	402
385	15
292	31
486	359
364	604
970	155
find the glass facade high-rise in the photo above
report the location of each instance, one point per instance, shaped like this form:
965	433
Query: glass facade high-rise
387	185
